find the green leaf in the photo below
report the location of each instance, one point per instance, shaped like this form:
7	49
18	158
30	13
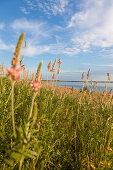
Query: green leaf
9	162
29	155
32	152
18	105
2	135
16	156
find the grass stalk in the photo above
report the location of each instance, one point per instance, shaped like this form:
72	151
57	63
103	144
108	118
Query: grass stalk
22	158
31	112
12	108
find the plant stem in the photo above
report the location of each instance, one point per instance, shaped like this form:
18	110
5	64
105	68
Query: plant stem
47	79
56	80
31	112
22	158
12	108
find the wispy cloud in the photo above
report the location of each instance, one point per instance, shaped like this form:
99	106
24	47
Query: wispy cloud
2	25
24	10
31	50
49	7
33	27
54	49
92	25
89	27
4	46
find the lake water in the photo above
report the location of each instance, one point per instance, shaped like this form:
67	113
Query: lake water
78	85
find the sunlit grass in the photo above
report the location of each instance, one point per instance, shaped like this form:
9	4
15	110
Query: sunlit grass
53	127
73	129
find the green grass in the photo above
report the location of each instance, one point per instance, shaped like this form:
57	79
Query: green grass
71	130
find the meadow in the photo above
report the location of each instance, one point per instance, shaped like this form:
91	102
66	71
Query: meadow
51	127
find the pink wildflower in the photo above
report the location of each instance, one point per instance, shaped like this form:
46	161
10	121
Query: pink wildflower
13	73
54	76
103	94
51	86
93	107
49	65
88	75
53	70
110	94
59	62
35	86
39	124
65	88
82	76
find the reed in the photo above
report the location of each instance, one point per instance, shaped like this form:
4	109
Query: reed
53	66
15	60
37	78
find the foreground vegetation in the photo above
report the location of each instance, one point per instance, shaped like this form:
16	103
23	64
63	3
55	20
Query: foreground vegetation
73	129
50	127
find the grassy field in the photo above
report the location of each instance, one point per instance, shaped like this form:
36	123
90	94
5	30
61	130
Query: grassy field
50	127
69	129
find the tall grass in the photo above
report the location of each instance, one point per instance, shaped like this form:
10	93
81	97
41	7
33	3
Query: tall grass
72	130
56	128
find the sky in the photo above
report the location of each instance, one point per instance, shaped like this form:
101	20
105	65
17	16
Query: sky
78	31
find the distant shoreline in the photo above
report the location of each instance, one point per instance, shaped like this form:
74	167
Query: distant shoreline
77	81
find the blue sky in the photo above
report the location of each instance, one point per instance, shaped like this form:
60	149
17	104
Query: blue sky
78	31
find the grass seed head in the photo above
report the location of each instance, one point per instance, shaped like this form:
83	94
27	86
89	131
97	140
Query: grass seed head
49	66
53	66
15	60
82	76
37	78
59	61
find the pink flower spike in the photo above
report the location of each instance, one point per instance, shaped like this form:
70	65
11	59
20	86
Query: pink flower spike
51	86
54	69
110	94
17	76
19	69
49	65
50	69
59	62
36	89
35	85
54	76
11	71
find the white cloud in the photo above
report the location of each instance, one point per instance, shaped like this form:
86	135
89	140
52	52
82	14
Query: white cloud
34	50
39	34
58	49
33	27
49	7
24	10
93	25
4	46
71	51
2	25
